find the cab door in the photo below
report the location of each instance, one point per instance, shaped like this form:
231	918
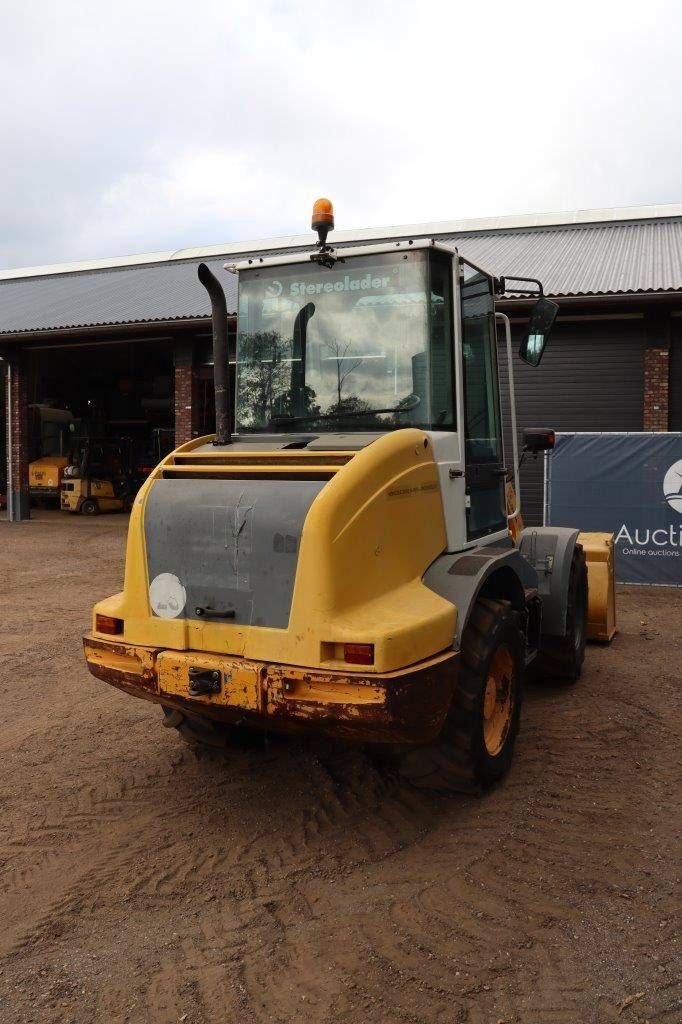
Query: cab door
484	464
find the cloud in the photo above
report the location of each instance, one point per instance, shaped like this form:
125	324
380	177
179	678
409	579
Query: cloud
141	126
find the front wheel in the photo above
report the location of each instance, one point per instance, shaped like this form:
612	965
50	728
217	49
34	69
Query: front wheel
561	657
476	746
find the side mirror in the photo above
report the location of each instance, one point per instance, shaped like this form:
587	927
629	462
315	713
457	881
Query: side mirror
542	316
538	439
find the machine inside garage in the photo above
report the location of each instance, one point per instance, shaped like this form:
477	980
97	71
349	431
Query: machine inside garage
117	392
124	345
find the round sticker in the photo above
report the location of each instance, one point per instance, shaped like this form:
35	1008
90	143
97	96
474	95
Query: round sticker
167	596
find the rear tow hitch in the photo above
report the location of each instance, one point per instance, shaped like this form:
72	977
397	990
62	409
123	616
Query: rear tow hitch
203	681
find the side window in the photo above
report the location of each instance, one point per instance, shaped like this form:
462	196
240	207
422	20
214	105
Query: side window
482	430
479	360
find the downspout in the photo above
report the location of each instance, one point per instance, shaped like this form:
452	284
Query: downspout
8	421
221	371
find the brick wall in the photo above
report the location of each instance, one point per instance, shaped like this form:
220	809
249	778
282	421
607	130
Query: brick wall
186	394
18	455
656	382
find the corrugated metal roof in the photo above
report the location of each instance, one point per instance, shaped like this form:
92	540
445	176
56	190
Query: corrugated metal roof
571	260
342	236
141	294
603	259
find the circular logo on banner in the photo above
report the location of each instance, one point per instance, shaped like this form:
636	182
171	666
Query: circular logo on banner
274	290
167	596
672	486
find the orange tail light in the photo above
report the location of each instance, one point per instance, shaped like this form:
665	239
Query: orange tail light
108	624
358	654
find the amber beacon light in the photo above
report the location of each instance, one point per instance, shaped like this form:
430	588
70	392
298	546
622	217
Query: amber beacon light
323	219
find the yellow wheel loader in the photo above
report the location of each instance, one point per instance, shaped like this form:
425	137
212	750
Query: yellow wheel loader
338	558
50	430
45	478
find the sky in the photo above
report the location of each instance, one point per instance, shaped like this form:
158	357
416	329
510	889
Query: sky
140	126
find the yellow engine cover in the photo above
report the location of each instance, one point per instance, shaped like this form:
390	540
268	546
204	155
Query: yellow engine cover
367	540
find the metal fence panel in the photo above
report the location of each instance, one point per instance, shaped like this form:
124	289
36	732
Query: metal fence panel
628	484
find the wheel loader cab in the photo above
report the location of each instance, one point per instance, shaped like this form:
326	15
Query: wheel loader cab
337	559
379	341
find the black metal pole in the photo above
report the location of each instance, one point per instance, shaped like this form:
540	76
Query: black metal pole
221	368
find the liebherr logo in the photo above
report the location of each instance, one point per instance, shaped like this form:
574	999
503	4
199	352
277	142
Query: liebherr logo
672	486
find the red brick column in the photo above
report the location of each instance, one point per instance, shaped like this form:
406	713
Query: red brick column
17	438
186	404
656	378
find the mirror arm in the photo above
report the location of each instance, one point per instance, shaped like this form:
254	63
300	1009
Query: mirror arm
522	291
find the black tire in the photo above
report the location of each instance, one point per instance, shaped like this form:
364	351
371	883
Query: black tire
561	657
203	734
466	757
90	507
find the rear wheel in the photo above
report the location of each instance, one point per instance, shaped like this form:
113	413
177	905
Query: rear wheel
561	657
476	745
90	507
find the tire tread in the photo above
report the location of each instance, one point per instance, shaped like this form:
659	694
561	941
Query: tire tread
450	763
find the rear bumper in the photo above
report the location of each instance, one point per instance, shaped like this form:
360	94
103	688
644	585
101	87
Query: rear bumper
406	706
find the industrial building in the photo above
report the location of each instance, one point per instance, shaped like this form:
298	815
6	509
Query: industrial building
124	345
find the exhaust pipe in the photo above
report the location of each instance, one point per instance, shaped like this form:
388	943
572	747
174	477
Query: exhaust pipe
221	369
300	353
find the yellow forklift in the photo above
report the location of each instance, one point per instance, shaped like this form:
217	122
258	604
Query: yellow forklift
339	559
97	478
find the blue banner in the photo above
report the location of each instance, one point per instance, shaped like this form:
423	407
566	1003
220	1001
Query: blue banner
626	484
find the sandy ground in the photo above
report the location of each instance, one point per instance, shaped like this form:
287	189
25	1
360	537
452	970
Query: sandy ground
301	884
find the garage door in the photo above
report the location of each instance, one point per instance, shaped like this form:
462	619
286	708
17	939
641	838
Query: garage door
590	378
675	393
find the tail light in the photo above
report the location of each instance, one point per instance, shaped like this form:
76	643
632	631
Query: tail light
108	624
358	654
538	439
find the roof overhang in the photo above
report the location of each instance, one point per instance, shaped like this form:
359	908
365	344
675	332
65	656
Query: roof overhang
166	331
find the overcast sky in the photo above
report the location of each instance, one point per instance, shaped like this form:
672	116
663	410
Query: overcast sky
136	126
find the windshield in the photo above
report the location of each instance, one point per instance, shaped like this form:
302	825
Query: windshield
365	345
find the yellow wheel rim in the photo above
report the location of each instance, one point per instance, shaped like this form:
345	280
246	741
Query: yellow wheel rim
498	701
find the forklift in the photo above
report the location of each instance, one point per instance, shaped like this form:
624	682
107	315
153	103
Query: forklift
340	558
97	478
